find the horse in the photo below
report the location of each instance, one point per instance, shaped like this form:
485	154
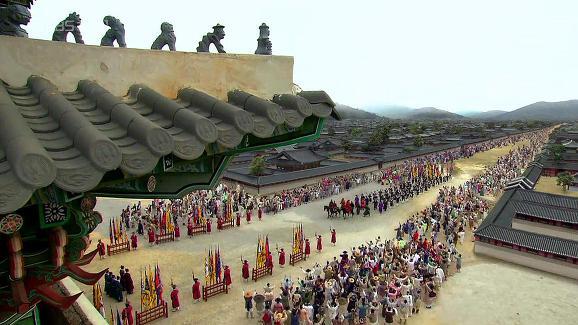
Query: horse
331	211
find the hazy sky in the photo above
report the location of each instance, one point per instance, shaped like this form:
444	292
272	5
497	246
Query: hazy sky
457	55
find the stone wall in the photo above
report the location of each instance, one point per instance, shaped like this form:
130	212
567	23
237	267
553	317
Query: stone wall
117	69
82	311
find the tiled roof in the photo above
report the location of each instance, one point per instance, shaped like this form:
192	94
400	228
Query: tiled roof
304	156
563	165
546	212
548	199
543	243
72	139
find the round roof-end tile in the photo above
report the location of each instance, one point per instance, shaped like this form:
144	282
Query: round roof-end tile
105	154
206	131
35	170
243	121
294	102
13	195
188	147
276	115
159	141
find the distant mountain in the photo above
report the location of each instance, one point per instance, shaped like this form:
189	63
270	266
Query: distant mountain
391	111
432	113
488	115
545	111
350	113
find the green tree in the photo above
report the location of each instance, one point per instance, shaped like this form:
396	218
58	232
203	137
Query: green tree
565	180
456	129
355	132
490	125
257	167
418	141
555	151
437	126
346	144
415	128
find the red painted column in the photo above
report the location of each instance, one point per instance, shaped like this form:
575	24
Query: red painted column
58	240
16	269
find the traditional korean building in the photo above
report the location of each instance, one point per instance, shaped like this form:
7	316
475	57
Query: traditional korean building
300	159
80	121
530	228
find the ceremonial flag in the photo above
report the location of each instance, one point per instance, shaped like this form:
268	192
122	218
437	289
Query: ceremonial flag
152	299
206	270
158	285
218	258
110	231
118	318
213	268
97	300
112	318
258	256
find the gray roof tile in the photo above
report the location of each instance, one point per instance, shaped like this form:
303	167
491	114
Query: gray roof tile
548	244
71	139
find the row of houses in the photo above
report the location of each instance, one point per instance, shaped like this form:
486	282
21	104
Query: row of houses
531	228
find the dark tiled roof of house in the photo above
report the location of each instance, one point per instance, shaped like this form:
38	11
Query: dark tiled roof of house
538	242
562	165
545	212
498	224
72	139
302	156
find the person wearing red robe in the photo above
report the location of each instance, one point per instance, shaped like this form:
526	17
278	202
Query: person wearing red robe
227	276
127	314
101	250
282	258
196	290
134	241
177	232
269	261
151	236
238	220
333	237
260	213
219	224
245	270
189	229
208	226
175	299
415	236
307	247
319	244
248	216
127	283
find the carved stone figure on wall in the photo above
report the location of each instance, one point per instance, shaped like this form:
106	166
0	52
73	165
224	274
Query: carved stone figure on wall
264	45
167	37
68	25
115	33
11	17
215	38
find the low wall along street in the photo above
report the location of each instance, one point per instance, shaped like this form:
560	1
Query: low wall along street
265	185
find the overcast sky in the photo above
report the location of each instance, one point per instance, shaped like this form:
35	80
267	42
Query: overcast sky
457	55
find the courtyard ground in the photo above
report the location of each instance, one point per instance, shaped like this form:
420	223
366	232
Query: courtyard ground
548	185
487	291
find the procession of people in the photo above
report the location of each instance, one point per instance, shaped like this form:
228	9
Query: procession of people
388	281
379	279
